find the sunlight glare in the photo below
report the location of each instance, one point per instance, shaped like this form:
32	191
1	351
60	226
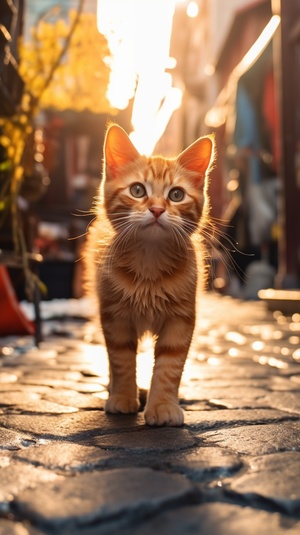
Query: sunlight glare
235	337
138	33
296	355
270	361
233	352
258	345
213	361
96	359
192	10
145	361
116	20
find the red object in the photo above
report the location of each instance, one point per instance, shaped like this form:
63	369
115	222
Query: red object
12	318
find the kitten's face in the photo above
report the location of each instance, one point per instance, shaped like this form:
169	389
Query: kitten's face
155	196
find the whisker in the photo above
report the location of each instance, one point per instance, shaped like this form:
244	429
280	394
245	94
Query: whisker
119	244
83	213
224	254
84	233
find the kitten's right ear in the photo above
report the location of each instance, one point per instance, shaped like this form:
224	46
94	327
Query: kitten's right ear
118	150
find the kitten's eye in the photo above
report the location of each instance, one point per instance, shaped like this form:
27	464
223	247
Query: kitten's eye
176	194
137	190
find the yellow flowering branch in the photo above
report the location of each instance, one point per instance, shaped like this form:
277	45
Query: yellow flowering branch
50	66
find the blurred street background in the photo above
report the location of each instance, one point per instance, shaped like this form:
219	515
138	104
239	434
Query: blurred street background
168	72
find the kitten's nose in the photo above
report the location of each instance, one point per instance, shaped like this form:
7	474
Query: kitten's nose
157	211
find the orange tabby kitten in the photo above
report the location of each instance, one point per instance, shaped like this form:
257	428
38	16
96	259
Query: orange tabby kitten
148	212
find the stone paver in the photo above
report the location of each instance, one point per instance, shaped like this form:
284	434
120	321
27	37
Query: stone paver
218	518
99	496
257	439
234	467
17	476
268	478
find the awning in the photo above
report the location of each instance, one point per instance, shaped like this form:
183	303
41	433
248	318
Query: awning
218	114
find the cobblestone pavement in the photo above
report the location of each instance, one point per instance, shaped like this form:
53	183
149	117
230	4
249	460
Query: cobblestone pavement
234	467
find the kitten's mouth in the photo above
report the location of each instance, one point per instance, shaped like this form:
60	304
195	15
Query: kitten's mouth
155	223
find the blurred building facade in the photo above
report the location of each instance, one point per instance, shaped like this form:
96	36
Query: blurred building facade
238	64
252	107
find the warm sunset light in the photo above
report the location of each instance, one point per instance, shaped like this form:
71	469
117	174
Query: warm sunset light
138	70
150	267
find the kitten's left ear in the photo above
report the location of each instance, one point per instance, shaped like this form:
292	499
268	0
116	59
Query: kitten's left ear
118	150
198	157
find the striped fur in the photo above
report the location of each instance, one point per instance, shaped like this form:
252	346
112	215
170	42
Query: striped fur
149	261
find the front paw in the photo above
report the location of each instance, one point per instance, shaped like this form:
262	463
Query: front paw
164	414
118	403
